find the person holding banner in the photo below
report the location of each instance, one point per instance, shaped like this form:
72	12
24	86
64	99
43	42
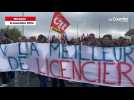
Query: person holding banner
89	40
43	79
56	82
5	76
107	41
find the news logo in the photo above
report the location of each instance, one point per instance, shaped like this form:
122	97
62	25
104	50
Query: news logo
118	19
20	20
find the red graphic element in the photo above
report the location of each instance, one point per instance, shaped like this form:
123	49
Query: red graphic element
20	18
59	23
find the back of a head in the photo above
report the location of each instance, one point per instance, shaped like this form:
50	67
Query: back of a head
91	35
1	39
22	39
107	36
42	38
32	39
122	41
45	39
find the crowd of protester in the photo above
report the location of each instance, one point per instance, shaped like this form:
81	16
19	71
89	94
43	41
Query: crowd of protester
88	40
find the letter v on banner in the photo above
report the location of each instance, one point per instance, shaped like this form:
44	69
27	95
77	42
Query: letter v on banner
59	23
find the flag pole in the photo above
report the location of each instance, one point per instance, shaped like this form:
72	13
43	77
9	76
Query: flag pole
99	31
49	31
129	22
23	25
77	30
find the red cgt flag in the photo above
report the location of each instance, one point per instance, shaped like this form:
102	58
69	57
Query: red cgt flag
59	23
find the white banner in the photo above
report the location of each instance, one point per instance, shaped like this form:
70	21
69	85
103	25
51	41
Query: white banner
112	66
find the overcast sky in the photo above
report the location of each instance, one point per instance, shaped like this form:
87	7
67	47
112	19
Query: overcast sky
88	22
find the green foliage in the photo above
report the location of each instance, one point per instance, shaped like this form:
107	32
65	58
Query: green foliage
130	32
11	33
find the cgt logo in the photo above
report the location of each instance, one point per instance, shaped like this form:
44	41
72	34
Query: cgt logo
118	19
60	23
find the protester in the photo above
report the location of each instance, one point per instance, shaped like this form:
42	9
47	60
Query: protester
42	39
124	42
22	39
107	41
88	40
43	79
55	81
5	76
116	42
55	40
32	39
18	74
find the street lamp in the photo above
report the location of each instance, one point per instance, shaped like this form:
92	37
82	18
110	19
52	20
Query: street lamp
23	25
